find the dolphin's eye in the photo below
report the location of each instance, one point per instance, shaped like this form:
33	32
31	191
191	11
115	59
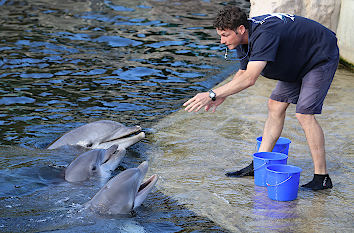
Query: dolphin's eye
94	168
89	145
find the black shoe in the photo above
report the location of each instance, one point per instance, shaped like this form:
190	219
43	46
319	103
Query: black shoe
247	171
319	182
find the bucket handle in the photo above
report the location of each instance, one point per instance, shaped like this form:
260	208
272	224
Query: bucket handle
254	169
280	182
283	149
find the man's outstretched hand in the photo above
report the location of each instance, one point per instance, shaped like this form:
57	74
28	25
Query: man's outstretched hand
214	104
202	100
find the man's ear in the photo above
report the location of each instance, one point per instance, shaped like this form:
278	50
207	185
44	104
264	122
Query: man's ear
241	29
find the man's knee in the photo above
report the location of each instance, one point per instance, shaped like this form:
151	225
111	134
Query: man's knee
277	108
305	118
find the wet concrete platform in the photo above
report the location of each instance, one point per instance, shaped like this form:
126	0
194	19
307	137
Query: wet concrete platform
192	151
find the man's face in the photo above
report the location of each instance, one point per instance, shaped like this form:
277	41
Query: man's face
229	38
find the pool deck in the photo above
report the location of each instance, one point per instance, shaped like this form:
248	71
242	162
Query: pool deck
192	152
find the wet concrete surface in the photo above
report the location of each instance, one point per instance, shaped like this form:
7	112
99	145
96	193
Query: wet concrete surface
192	152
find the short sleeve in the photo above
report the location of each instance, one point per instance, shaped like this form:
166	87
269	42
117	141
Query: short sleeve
265	47
243	58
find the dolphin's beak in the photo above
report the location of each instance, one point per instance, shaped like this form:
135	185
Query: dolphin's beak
109	153
147	184
124	142
144	189
112	158
120	134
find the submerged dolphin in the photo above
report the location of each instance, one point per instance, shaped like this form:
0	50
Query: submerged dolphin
124	192
100	135
100	162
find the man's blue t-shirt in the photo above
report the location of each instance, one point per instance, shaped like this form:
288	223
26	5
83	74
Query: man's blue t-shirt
292	45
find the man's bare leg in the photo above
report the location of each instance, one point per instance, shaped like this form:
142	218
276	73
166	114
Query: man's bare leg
274	125
316	142
272	130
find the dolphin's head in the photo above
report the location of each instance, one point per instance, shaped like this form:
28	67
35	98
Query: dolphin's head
94	162
124	192
100	135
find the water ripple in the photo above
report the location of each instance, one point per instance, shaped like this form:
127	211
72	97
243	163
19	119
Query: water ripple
65	63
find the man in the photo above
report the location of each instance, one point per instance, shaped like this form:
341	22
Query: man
301	53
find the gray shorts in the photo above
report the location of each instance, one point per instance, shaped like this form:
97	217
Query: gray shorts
309	94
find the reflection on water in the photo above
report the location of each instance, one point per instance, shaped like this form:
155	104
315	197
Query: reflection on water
264	206
271	213
65	63
132	61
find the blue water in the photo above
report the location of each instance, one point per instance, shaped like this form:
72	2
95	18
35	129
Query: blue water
79	61
65	63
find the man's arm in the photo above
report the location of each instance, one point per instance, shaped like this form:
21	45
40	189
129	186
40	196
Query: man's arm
242	80
239	72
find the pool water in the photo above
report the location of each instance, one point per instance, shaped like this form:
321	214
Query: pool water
66	63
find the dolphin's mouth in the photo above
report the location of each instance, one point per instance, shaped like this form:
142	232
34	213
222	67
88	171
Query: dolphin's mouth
112	155
124	141
147	185
136	130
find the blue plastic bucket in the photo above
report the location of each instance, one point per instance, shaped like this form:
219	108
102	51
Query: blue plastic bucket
261	160
283	182
282	145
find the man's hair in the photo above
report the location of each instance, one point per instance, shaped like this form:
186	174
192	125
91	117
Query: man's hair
230	17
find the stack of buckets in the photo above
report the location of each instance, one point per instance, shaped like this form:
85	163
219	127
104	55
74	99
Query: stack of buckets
271	170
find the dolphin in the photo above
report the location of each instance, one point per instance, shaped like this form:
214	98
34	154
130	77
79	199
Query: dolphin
123	193
99	135
99	162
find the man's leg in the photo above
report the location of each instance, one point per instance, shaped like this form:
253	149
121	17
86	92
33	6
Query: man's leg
315	85
274	124
316	142
272	130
